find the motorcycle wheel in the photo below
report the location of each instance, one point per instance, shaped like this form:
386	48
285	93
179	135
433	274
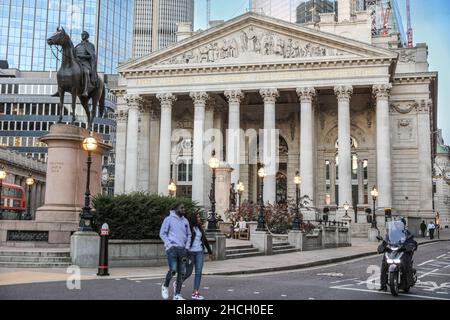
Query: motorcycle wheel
393	283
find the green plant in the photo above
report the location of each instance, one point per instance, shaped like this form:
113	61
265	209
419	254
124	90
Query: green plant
137	216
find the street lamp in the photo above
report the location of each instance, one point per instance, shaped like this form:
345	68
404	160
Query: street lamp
214	164
261	220
89	145
3	175
374	194
172	188
346	207
29	182
297	182
438	224
240	188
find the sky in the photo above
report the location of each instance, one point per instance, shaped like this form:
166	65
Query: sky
430	21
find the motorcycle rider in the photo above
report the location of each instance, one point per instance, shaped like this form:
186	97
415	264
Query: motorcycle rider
411	246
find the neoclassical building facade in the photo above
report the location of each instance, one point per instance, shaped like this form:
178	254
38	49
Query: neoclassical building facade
261	91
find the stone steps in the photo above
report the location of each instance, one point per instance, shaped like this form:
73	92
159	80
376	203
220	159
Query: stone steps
34	259
17	265
282	248
239	252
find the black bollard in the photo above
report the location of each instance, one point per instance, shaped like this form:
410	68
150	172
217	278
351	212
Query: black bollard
103	261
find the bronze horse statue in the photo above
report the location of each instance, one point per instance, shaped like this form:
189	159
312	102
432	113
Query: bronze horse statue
70	79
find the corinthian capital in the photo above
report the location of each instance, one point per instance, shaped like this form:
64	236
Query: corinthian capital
343	92
269	95
199	97
167	99
234	96
306	93
134	101
382	91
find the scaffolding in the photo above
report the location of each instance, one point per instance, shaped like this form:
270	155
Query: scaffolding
386	18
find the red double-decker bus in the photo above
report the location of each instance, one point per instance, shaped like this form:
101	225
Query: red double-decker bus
13	201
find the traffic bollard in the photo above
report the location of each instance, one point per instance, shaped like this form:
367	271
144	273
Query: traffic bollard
103	261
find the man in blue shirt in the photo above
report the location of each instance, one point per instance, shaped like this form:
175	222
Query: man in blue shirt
176	234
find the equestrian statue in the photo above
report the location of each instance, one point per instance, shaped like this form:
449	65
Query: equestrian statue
78	75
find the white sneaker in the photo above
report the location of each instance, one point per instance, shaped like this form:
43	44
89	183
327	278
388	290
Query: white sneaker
178	297
164	292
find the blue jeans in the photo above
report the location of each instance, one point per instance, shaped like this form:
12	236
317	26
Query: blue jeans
196	259
176	266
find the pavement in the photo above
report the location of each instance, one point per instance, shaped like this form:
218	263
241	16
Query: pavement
357	279
255	265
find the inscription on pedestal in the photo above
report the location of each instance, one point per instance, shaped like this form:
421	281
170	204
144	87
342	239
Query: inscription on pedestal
56	167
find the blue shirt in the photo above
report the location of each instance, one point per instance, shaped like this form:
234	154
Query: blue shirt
175	232
197	246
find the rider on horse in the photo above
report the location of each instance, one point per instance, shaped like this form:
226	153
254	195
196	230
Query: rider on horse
85	52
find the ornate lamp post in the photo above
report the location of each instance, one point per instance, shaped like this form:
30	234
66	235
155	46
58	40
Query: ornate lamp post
346	207
29	182
89	145
3	175
374	194
172	188
240	188
297	221
214	164
261	220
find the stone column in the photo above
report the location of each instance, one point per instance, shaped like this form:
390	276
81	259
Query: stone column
131	167
165	142
270	153
333	182
155	115
121	143
143	180
199	99
306	96
361	182
344	94
234	133
384	171
425	170
209	145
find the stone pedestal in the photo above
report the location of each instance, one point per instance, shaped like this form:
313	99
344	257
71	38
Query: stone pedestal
262	240
223	185
295	238
85	249
219	245
58	219
373	234
67	171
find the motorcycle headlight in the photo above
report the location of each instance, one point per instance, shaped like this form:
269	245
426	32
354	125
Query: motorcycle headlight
397	261
390	261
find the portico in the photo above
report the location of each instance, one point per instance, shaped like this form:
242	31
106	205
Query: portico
283	96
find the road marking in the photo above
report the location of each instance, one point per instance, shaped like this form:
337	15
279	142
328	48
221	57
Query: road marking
441	256
331	274
378	292
256	292
205	288
424	263
284	295
428	273
442	292
230	290
438	274
138	281
145	278
340	281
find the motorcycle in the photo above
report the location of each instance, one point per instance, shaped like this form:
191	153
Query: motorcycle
395	251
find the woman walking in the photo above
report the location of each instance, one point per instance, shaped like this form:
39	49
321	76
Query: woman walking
197	254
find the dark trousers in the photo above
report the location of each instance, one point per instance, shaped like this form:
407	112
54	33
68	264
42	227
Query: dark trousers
424	231
384	271
431	234
176	267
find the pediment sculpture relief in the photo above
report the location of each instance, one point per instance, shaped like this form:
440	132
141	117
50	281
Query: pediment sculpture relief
250	42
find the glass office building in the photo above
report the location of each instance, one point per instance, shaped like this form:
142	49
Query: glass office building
26	24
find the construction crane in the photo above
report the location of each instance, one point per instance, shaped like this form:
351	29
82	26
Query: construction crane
208	13
410	29
386	17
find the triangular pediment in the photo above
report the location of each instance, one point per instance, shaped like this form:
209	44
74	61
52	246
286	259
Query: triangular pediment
252	38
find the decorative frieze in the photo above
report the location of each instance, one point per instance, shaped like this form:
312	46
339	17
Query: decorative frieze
254	41
134	101
404	107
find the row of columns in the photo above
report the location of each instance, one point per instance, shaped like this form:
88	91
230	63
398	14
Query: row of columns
306	96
